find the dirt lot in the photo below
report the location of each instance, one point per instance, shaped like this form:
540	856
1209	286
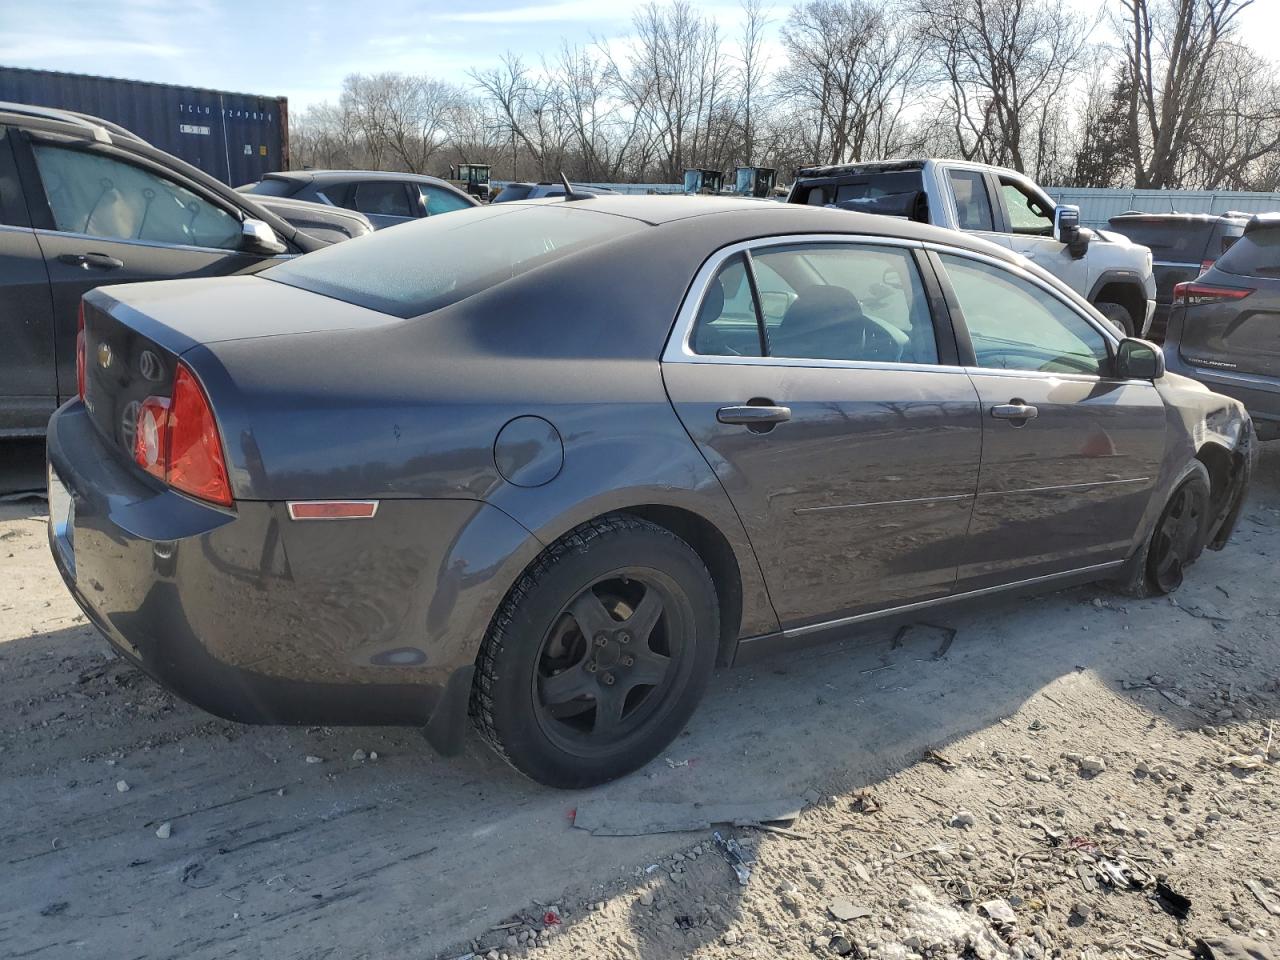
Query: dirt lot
1069	729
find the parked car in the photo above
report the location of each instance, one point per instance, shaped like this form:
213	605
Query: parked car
1003	206
1183	245
1224	327
385	198
520	190
559	509
85	202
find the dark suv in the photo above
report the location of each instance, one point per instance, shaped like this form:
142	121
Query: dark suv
84	203
1224	328
1183	245
385	198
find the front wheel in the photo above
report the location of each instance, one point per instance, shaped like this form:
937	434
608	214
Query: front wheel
598	655
1176	541
1119	315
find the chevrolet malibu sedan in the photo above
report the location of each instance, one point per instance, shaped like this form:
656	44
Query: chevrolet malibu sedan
544	466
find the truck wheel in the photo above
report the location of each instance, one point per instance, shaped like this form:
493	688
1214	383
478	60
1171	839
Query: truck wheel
1118	314
598	655
1176	540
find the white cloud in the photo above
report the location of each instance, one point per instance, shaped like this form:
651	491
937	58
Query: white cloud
577	11
39	48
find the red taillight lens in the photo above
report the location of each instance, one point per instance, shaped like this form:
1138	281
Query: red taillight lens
177	441
80	365
1194	293
151	438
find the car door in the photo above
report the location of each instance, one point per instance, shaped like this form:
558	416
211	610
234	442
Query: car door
831	409
104	217
386	202
1028	229
1070	455
28	380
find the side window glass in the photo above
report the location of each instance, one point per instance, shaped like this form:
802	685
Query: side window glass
1015	325
845	302
1027	212
440	201
103	197
973	206
385	197
726	322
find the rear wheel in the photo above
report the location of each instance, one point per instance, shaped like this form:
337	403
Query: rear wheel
1176	541
1118	314
598	655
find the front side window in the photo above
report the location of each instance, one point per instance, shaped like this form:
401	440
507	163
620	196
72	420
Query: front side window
94	194
1028	212
436	200
973	205
384	198
1016	325
823	302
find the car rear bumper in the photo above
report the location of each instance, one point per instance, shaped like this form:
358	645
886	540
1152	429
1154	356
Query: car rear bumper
261	619
1260	395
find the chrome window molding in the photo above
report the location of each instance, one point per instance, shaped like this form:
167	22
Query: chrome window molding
678	349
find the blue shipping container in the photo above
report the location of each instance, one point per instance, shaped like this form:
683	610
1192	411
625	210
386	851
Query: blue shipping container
236	137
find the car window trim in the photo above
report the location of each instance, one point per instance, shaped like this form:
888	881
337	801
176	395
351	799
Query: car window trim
954	203
968	357
159	244
679	349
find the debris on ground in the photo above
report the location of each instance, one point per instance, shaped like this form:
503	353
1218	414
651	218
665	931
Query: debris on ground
164	830
622	818
732	852
1173	902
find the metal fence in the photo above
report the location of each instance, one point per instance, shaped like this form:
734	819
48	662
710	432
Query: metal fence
1097	206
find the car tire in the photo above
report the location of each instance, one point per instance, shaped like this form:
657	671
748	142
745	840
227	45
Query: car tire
1118	314
1176	539
598	655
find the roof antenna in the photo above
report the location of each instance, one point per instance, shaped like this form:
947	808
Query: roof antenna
568	190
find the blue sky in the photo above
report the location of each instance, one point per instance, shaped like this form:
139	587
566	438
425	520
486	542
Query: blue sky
302	49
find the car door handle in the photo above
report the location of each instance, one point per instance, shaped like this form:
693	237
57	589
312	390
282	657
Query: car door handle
1015	410
750	415
99	261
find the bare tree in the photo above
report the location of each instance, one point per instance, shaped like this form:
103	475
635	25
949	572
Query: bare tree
752	67
1006	64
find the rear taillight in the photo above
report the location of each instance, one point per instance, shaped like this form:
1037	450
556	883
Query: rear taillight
1193	293
80	365
177	441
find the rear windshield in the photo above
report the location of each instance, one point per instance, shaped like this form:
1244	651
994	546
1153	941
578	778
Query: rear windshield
1180	241
514	191
861	190
418	267
1256	254
272	187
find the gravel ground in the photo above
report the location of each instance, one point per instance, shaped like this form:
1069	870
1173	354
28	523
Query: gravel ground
1056	735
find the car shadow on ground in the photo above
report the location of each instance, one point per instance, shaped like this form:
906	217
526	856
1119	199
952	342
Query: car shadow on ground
277	835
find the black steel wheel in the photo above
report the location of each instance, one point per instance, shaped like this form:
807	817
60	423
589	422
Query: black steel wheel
598	655
1177	539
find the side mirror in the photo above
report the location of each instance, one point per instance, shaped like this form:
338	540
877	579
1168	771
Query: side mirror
257	236
1139	360
1066	229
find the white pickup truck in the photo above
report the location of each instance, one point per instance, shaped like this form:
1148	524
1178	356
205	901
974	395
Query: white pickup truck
1003	206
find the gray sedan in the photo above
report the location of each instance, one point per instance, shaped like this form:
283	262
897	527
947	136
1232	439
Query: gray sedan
546	464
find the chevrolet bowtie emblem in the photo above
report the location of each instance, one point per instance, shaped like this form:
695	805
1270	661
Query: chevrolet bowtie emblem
104	356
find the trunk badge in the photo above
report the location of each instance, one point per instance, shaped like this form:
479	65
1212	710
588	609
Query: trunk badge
104	355
149	366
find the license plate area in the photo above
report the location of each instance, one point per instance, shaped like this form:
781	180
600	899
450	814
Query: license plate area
62	519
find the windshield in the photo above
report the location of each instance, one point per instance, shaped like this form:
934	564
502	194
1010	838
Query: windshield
428	264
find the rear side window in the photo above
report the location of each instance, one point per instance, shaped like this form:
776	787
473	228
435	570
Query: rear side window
273	187
437	261
1256	254
821	302
383	197
973	205
100	196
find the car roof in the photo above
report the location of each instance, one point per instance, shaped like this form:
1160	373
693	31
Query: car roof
744	217
1142	216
